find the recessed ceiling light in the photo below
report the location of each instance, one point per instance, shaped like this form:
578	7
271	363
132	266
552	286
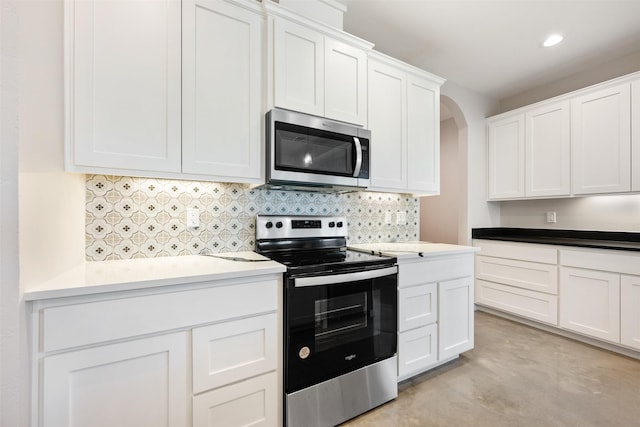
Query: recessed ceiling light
552	40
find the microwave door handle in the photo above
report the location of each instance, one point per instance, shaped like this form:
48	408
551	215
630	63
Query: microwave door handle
356	169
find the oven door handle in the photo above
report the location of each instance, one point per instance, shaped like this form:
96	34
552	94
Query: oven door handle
333	279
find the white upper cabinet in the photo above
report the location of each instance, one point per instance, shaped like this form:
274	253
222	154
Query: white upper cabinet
506	157
318	74
601	141
529	153
404	118
387	122
222	110
548	150
423	136
635	135
122	89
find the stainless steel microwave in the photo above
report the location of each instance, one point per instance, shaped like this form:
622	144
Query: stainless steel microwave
313	153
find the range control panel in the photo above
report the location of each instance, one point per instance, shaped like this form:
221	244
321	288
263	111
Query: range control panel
282	226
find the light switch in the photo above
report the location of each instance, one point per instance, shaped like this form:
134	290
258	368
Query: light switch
193	218
401	217
387	218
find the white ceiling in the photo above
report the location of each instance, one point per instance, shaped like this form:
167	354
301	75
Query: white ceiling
493	47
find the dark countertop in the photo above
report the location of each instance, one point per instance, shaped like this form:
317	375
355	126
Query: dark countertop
617	240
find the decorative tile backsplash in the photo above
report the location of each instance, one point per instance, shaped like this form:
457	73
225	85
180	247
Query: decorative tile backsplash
141	218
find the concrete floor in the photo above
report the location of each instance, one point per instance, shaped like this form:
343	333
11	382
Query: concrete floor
518	376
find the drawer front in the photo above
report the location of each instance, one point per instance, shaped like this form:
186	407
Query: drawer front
593	259
518	251
232	351
417	350
527	275
249	403
417	306
522	302
89	323
434	270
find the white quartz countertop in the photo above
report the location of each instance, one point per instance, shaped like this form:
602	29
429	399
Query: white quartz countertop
121	275
402	250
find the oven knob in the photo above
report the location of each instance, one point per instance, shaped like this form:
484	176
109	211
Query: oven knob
269	224
304	352
339	224
279	224
332	224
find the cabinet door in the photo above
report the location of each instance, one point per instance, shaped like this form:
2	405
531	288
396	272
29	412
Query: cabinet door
455	321
135	383
249	403
298	68
506	158
548	150
601	141
417	306
227	352
417	350
345	82
590	303
387	121
222	91
423	136
630	311
123	85
635	135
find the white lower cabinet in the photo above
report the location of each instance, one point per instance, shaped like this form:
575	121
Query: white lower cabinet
210	357
248	403
435	311
630	311
136	383
590	302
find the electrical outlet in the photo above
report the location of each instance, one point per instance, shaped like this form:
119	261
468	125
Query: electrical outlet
401	217
193	218
551	217
387	218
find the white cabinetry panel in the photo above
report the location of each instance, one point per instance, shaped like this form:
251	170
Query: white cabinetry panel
248	403
635	135
548	150
506	157
222	91
523	274
137	383
590	302
455	318
417	350
423	136
298	67
387	121
601	141
123	85
417	306
227	352
630	311
533	305
345	84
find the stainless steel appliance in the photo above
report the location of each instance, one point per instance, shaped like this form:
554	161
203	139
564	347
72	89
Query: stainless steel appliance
340	320
313	153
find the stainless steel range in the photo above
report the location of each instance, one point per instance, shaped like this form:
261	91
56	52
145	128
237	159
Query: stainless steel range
340	320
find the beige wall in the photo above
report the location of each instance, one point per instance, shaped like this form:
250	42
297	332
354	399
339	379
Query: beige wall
439	215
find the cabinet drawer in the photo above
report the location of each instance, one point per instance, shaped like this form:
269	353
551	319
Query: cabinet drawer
518	251
249	403
417	350
93	322
231	351
417	306
614	261
434	270
527	275
534	305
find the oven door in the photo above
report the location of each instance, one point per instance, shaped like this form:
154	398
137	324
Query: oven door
337	323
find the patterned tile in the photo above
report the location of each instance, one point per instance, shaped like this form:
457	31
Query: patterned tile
139	218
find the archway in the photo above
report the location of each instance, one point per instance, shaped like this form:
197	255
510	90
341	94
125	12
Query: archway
444	218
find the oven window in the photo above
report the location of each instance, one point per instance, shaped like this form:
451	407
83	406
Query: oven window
341	319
